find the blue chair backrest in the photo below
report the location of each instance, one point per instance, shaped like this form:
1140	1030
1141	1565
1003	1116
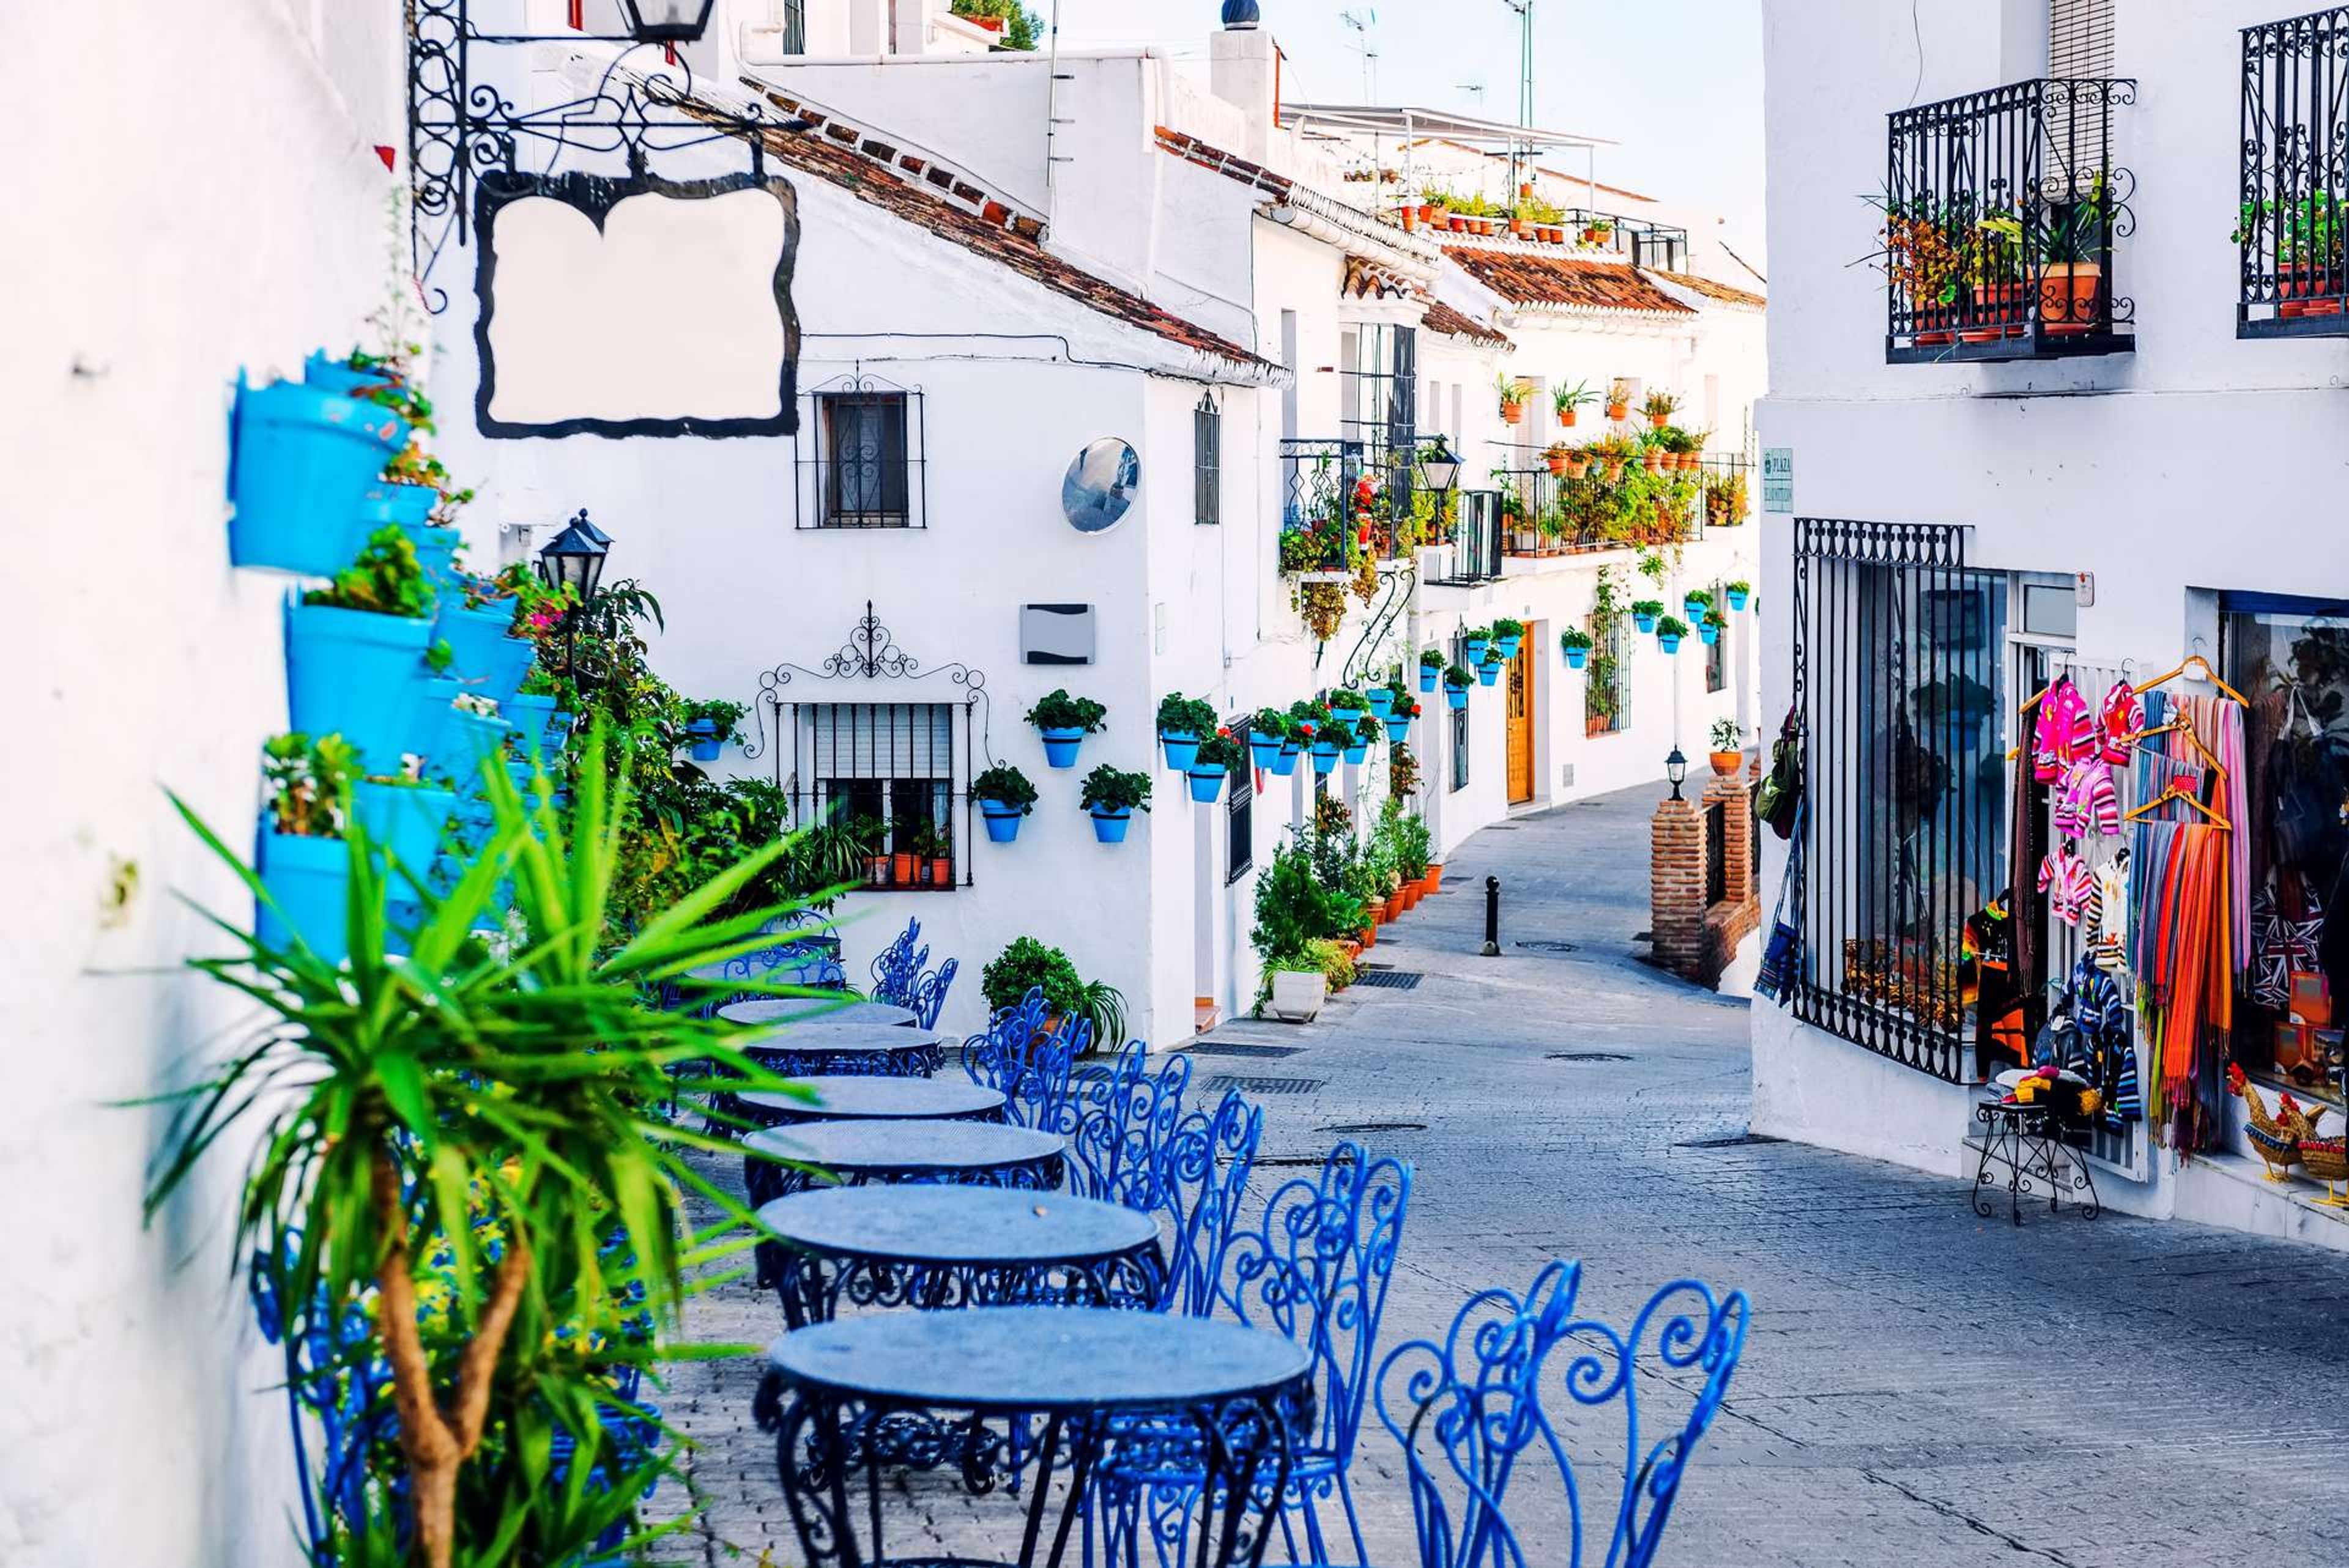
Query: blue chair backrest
1116	1125
1203	1176
1025	1060
1317	1270
899	966
929	993
1471	1418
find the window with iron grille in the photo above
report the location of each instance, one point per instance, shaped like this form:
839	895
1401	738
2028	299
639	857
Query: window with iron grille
1239	812
1208	463
1459	720
795	26
1717	652
1897	682
1607	693
895	775
861	463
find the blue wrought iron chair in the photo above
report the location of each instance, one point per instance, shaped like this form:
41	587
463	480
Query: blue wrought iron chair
930	993
1316	1270
1469	1416
898	969
1029	1063
1122	1116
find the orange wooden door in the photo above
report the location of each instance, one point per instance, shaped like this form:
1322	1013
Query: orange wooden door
1521	725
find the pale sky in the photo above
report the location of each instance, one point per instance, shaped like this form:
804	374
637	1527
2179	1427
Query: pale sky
1677	82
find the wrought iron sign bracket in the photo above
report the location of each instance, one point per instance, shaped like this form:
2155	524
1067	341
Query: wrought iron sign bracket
870	653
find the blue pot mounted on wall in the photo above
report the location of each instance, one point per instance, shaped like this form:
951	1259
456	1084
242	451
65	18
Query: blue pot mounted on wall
1357	751
1263	753
704	744
309	880
1284	764
1695	608
300	462
1207	782
530	713
1182	749
1476	646
1326	754
1382	701
1708	635
1488	673
356	674
436	548
1110	826
474	741
1669	641
1399	725
489	662
1456	697
1577	658
1507	647
337	376
1002	821
1645	623
1737	597
406	820
1061	747
1428	676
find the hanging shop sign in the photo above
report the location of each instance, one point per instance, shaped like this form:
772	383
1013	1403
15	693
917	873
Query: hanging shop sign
636	305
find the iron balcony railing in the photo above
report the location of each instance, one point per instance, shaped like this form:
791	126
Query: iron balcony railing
1659	245
2000	210
1476	539
2295	152
1342	498
1545	513
1729	484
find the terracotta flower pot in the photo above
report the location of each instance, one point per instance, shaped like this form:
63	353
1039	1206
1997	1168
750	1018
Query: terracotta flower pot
1614	469
1455	222
1566	420
1410	219
876	869
1435	876
1412	893
1513	413
1370	935
2069	294
1998	313
1655	459
1394	906
1517	228
901	870
1618	410
1659	420
2302	290
1556	464
1933	326
1426	211
1577	466
1726	763
941	871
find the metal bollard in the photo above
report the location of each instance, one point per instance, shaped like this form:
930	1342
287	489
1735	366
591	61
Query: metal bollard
1492	918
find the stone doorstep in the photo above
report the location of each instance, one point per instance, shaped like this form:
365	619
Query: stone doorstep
2287	1209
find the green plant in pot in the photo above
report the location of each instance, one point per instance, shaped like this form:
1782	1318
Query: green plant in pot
1669	632
712	724
1646	614
1112	796
1063	721
1574	643
1005	795
1728	754
1183	722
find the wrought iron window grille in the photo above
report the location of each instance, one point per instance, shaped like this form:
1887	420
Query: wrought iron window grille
1459	718
1897	684
1999	213
1208	463
1475	545
2295	174
862	456
1239	809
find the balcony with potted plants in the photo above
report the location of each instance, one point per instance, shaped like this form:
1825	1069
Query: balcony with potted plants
1618	493
2295	152
1999	213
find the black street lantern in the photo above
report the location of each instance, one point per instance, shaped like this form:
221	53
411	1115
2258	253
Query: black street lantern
667	21
573	559
1441	467
1676	769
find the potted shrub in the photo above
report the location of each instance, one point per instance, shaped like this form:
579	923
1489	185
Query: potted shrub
304	865
1005	797
1644	613
1570	401
1670	630
1728	753
1398	723
530	710
1267	735
1218	753
711	726
1028	964
1576	645
868	834
1183	721
905	863
1113	796
1347	703
1554	455
1659	408
1696	604
1455	685
933	856
1474	640
1737	592
301	460
1653	456
1708	631
1613	451
1300	988
1381	699
1488	669
354	653
1577	462
1514	393
1508	635
1430	667
1618	399
1063	721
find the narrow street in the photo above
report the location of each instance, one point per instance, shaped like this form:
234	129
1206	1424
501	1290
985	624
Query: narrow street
1921	1387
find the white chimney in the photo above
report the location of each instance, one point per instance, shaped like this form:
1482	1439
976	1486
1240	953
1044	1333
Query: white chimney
1243	70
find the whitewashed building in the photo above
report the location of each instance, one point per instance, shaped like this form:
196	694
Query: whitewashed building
2088	447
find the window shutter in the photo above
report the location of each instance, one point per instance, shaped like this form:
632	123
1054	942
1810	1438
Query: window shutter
2079	48
2080	38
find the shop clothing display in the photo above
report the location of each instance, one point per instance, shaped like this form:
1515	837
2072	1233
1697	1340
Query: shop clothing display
2110	947
2118	722
2063	732
2069	884
2085	801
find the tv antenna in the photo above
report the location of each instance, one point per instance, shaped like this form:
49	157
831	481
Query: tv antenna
1525	10
1360	23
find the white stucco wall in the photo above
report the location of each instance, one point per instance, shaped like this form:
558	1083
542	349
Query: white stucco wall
208	199
2132	468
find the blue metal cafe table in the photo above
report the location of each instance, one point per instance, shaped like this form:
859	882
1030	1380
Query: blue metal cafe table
806	1010
939	1247
871	1098
844	1050
928	1389
919	1152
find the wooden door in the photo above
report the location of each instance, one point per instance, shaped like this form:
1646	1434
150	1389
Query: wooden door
1521	725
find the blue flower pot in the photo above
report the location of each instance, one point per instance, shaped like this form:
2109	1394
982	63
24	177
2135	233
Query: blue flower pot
1207	782
435	732
1488	673
1694	608
1110	826
1577	658
1708	635
1476	646
436	548
1325	757
337	376
530	713
489	662
1398	726
559	727
1644	624
1284	762
1382	701
1357	751
1263	752
1507	647
301	460
357	673
1737	597
402	504
406	820
1456	697
1428	674
1669	641
1061	747
1002	821
475	742
1182	749
310	881
703	743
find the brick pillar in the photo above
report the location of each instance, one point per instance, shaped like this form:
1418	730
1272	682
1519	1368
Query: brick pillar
1737	830
1676	886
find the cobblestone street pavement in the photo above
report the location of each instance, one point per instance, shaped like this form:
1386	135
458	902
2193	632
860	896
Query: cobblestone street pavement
1922	1387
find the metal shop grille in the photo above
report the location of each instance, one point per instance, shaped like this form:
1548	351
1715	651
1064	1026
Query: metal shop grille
1388	979
1240	1049
1897	686
1262	1085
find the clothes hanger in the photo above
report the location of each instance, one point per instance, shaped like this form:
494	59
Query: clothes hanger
2174	793
2195	668
2183	725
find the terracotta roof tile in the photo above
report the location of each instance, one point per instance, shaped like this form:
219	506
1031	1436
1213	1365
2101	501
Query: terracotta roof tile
1366	279
1442	318
1232	165
1564	281
869	170
1711	290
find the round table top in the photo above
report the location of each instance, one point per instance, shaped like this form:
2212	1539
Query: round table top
807	1010
956	1225
849	1098
1039	1358
906	1145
